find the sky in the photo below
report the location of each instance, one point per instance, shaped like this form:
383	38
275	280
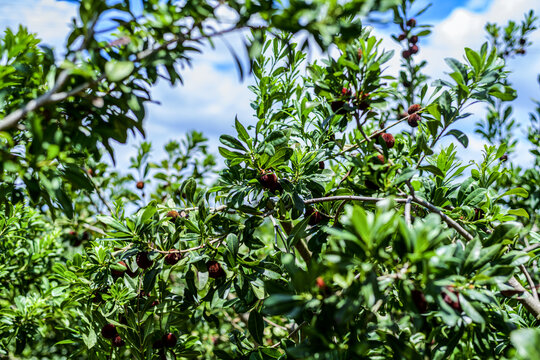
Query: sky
213	94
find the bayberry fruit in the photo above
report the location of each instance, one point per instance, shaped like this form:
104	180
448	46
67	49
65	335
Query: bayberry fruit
143	261
454	304
419	300
522	41
504	157
402	37
388	139
321	165
315	217
269	181
215	270
413	39
381	159
345	91
90	172
118	342
411	22
169	340
173	258
520	51
109	331
173	215
119	273
359	53
406	54
413	120
337	107
414	108
140	185
413	49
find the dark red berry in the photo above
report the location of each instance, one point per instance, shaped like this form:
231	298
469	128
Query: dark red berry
173	215
419	300
140	185
360	53
154	303
402	37
413	39
363	101
406	54
411	22
109	331
504	157
520	51
118	342
413	49
414	108
116	273
388	139
381	159
478	214
172	258
403	115
215	271
73	233
323	288
143	261
522	41
345	91
454	304
321	165
413	120
269	181
338	107
169	340
315	217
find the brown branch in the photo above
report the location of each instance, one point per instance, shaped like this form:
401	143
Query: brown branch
349	198
532	285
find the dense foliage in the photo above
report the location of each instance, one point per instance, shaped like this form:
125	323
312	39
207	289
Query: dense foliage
333	225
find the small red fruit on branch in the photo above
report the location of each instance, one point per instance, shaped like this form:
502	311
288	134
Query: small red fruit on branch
321	165
413	120
413	39
118	342
411	22
388	139
381	159
406	54
215	271
173	215
402	37
315	217
414	108
413	49
140	185
109	331
169	340
143	261
270	181
172	258
454	304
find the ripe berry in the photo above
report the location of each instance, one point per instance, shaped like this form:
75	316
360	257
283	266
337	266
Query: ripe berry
402	37
520	51
169	340
359	53
323	288
315	217
522	41
413	39
504	157
414	108
388	139
118	342
413	49
215	270
119	273
363	101
269	181
320	282
321	165
143	261
411	22
140	185
108	331
345	91
406	54
381	159
419	300
413	120
172	258
154	303
337	107
173	214
454	304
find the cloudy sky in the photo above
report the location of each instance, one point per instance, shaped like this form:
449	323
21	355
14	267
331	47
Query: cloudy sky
213	94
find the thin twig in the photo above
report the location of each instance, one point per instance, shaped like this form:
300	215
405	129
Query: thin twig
349	198
532	285
408	211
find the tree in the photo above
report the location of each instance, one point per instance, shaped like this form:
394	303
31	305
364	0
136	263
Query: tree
323	236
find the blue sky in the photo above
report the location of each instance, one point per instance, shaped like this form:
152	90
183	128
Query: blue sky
213	95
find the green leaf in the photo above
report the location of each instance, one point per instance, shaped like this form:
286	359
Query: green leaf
432	169
256	326
230	141
526	342
460	136
519	191
519	212
150	279
242	132
232	243
474	59
89	338
118	70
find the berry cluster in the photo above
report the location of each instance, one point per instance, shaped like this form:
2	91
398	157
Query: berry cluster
412	40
